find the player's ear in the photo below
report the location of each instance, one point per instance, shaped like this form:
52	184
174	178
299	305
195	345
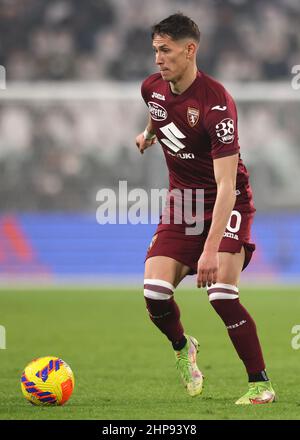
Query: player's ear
191	49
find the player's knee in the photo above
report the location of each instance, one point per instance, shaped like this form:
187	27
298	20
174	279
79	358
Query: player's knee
223	297
158	289
158	295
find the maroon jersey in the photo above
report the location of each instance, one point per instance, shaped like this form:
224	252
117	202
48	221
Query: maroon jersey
194	128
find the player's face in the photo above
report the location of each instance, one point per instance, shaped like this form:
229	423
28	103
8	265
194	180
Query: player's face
170	56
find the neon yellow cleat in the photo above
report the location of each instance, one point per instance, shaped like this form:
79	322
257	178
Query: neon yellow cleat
187	366
259	393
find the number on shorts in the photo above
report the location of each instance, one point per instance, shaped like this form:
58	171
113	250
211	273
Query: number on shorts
237	226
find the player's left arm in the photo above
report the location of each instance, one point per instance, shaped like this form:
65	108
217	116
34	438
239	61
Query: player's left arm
225	170
221	126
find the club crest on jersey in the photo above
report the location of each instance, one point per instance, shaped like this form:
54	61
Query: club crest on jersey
193	116
157	112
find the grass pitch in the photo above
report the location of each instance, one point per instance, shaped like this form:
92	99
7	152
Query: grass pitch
124	367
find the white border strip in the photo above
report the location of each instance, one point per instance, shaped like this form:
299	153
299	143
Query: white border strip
260	91
156	295
162	283
223	286
219	295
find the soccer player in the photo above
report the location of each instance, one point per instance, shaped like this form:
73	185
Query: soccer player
195	120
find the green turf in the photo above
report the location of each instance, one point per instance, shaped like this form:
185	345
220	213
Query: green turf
123	366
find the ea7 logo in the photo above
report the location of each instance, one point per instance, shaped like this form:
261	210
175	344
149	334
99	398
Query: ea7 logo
296	339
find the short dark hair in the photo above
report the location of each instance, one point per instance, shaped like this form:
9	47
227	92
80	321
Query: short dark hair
177	26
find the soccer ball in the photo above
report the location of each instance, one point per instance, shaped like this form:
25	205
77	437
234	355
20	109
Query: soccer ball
47	381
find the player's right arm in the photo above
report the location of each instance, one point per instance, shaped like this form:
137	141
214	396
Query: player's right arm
147	138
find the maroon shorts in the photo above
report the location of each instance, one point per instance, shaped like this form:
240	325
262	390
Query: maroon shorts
186	249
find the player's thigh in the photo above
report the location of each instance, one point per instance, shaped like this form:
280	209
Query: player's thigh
165	268
230	267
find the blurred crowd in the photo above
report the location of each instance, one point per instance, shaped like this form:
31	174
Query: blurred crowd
57	154
110	39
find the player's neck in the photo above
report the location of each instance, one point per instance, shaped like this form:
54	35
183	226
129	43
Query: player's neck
182	84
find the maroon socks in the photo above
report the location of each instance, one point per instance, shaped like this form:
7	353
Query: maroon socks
240	326
163	310
165	314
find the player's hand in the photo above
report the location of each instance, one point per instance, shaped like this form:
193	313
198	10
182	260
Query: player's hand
143	144
208	266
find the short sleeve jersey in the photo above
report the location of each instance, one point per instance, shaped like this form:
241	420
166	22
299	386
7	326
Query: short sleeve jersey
195	128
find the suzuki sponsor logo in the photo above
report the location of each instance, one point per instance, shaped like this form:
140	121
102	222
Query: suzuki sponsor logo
182	155
157	112
172	141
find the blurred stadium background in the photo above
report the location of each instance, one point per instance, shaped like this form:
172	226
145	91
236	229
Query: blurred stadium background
72	108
